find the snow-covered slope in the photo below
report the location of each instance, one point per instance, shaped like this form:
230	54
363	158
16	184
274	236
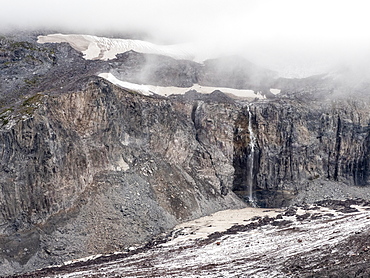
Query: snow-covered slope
327	240
170	90
100	48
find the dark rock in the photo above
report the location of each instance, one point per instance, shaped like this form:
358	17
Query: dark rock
128	165
281	223
290	211
254	218
236	72
87	167
348	210
315	216
303	216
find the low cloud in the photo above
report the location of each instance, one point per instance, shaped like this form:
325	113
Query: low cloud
291	37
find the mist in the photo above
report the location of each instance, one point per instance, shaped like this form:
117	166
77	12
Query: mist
294	38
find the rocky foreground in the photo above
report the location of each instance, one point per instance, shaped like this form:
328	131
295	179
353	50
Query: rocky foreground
327	239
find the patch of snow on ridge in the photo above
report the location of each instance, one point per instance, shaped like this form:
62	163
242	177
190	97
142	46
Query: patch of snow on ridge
100	48
143	89
167	91
275	91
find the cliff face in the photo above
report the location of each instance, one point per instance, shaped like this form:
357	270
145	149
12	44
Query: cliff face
303	146
98	170
102	168
88	168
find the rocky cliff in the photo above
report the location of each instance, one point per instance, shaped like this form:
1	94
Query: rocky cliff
88	168
305	150
101	169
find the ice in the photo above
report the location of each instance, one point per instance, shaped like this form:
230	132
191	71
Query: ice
275	91
100	48
170	90
143	89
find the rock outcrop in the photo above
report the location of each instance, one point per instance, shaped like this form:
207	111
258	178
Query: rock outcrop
304	145
98	170
88	168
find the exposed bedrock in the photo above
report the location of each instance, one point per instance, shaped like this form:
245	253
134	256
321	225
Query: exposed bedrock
88	168
98	170
303	147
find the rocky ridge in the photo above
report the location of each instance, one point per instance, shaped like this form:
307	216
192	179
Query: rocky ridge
88	168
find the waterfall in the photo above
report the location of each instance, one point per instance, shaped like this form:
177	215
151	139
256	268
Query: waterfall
252	145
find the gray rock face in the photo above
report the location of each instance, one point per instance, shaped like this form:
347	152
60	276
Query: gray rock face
303	145
101	169
87	167
156	70
236	72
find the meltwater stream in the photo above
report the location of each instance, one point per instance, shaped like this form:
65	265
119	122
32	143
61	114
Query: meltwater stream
252	145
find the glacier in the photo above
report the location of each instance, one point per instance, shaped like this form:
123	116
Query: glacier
101	48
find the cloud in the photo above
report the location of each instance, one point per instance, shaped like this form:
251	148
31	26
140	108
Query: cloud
282	35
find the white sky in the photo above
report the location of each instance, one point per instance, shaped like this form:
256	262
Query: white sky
265	31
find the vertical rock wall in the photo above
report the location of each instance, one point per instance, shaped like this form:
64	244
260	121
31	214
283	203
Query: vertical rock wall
302	143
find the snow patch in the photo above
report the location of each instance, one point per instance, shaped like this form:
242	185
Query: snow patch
217	222
263	251
85	259
100	48
275	91
170	90
142	89
122	165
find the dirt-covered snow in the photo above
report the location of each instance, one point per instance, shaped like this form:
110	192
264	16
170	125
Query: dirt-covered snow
328	238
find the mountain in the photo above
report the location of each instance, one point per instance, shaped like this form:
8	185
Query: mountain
92	167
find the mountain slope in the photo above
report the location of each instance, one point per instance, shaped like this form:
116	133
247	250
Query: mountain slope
88	167
101	169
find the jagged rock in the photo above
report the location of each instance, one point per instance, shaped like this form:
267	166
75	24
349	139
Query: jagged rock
101	169
301	144
87	167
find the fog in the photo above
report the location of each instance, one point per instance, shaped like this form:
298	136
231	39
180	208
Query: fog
295	38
